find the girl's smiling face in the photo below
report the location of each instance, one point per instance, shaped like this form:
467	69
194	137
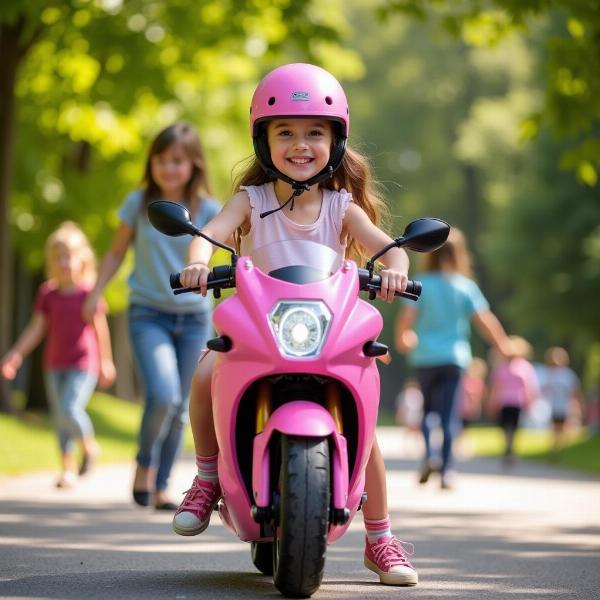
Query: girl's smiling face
300	148
171	171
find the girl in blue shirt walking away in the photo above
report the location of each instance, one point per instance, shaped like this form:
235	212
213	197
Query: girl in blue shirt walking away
436	334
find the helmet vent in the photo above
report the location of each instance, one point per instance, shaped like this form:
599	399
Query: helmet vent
328	100
271	101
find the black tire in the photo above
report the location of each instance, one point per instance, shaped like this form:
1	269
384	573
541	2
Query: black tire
299	550
262	556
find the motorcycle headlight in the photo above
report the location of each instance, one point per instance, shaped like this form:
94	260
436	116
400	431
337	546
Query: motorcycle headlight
300	327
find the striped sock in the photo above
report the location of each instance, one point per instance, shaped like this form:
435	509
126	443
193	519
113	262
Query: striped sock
378	528
207	467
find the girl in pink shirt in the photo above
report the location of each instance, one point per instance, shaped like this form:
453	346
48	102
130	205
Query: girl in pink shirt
514	387
76	355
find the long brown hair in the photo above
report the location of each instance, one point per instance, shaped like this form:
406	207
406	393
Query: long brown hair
353	175
198	186
452	257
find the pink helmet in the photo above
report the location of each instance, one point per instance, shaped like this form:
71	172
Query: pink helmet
299	90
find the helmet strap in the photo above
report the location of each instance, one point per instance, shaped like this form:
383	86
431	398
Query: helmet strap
298	189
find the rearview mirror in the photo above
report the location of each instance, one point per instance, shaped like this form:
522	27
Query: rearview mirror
425	235
171	218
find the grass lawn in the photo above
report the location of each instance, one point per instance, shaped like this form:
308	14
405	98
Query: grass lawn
581	452
28	443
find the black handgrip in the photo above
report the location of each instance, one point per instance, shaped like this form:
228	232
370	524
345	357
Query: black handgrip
413	287
176	284
219	277
174	281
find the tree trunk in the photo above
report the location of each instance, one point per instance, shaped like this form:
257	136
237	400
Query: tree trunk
13	48
11	57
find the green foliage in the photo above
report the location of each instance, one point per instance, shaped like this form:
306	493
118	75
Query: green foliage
102	78
547	248
572	95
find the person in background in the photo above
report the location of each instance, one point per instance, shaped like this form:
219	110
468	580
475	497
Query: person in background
167	332
562	388
470	404
435	332
409	413
473	391
514	388
77	354
409	405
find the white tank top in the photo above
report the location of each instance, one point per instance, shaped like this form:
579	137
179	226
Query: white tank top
326	230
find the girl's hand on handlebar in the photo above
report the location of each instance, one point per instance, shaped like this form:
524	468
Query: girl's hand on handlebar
392	281
195	276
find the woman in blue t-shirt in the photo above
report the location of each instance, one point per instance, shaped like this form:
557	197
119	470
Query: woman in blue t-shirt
167	332
436	333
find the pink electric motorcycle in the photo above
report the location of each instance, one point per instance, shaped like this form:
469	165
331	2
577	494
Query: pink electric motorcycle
295	393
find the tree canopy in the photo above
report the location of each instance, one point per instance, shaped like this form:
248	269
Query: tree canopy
571	67
85	85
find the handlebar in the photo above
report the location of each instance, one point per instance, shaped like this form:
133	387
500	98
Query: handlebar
222	277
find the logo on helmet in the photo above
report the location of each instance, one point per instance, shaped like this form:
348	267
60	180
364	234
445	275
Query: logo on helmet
300	96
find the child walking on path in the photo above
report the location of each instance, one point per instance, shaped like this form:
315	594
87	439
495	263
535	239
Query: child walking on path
514	389
473	391
562	388
166	331
304	183
77	354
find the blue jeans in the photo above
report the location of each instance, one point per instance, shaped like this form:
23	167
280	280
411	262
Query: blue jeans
166	347
440	387
69	392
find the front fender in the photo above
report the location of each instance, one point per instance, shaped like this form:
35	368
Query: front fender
302	419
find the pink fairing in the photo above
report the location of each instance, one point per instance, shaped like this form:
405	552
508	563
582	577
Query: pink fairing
299	90
255	355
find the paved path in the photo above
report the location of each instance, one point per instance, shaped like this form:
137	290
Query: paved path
533	532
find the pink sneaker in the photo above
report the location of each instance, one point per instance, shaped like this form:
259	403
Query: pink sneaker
193	515
387	558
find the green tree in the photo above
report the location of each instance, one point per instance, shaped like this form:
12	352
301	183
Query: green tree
85	84
545	249
572	75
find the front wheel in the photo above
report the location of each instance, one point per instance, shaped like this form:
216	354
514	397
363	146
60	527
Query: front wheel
299	550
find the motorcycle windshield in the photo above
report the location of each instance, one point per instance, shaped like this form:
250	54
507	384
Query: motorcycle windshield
297	261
